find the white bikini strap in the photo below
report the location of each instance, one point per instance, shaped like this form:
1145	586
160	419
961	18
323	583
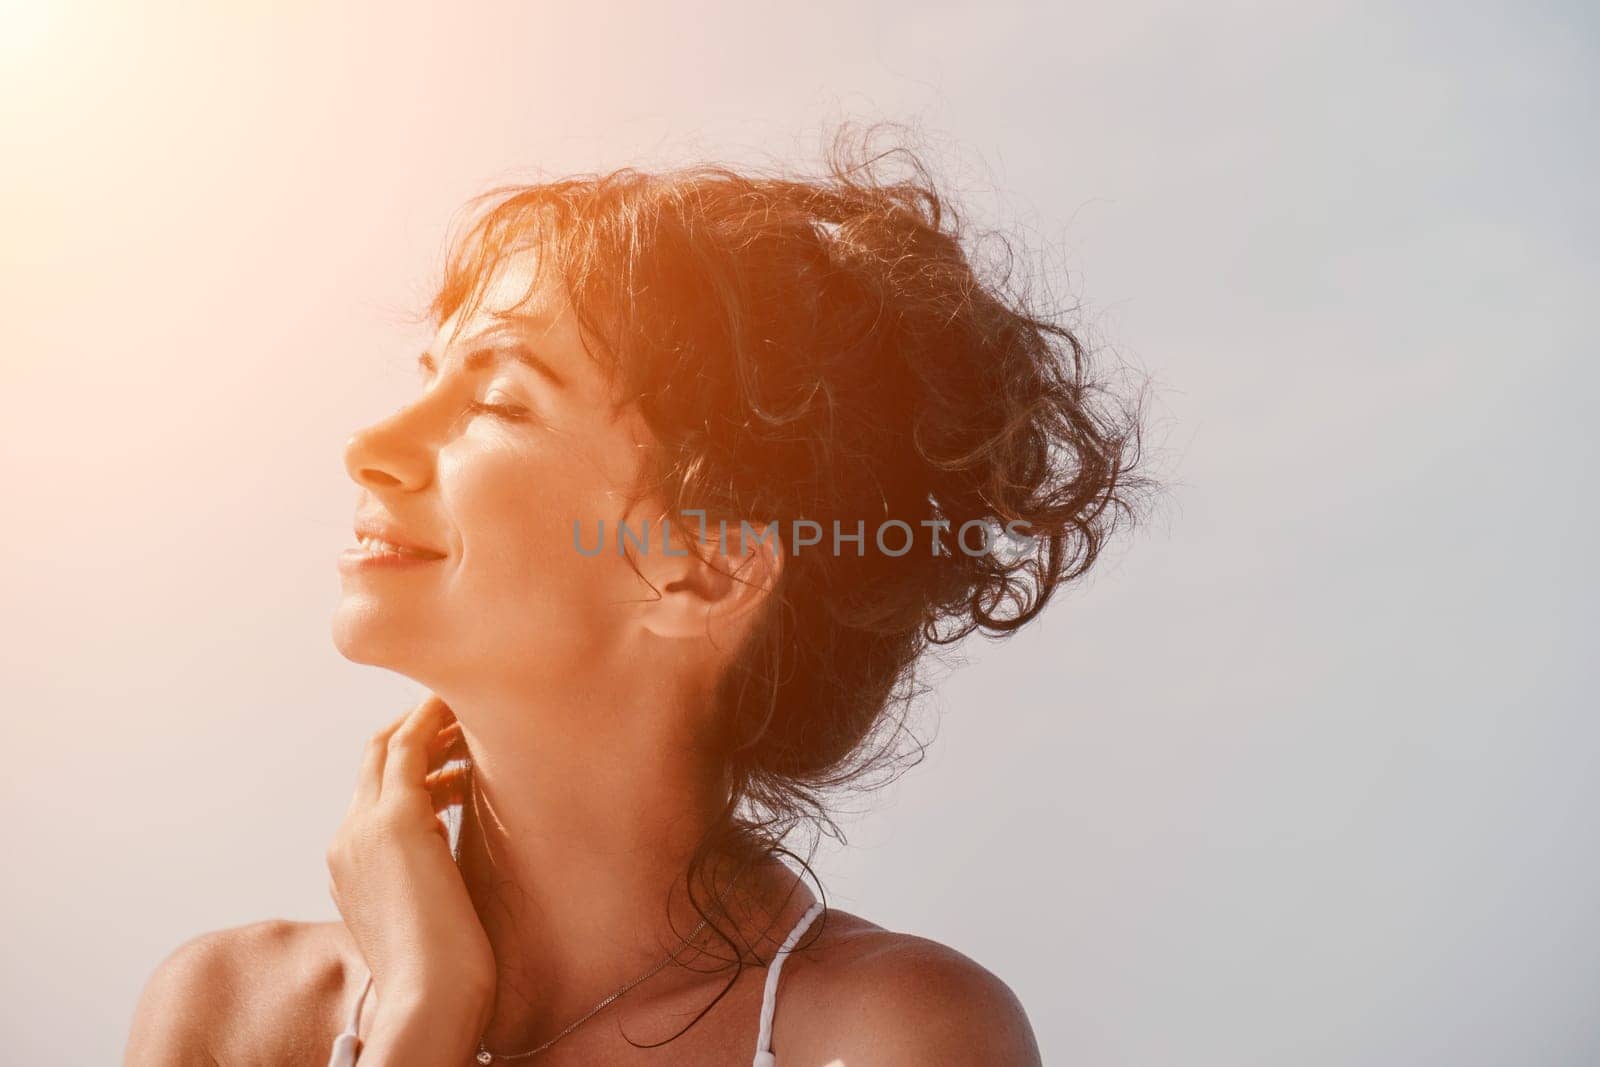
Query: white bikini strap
769	997
347	1044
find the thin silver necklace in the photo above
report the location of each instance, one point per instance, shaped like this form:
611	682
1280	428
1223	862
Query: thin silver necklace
486	1057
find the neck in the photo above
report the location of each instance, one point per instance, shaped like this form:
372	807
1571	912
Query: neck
579	829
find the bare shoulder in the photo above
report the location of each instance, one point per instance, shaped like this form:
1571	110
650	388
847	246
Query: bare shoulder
863	994
270	992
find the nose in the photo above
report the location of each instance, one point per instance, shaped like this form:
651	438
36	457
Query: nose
389	454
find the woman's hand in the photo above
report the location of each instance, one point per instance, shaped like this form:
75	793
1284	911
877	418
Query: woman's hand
403	900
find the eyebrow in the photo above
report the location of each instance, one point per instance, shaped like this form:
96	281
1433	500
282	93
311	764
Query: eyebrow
483	355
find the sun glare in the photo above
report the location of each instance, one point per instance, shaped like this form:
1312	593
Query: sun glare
25	27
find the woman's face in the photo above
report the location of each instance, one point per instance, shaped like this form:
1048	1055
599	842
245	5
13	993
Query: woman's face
509	441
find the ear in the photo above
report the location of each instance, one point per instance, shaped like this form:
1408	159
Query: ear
718	595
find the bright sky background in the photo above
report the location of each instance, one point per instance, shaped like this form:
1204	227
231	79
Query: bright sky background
1306	774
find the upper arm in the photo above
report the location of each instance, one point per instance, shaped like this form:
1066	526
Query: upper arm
174	1022
917	1002
264	993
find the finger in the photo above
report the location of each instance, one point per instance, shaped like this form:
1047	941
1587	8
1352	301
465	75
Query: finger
448	786
370	777
407	759
444	743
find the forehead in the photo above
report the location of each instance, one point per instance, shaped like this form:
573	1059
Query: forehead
514	287
517	298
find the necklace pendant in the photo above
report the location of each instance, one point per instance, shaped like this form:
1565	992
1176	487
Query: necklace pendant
484	1055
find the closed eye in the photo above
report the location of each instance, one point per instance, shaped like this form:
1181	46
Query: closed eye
510	412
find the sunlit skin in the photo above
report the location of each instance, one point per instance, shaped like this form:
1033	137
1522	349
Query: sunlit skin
582	694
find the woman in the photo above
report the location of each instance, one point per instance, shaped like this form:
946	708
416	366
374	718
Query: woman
700	465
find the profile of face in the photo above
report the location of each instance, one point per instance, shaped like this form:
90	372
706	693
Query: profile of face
511	439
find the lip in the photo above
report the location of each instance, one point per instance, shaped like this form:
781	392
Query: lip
357	558
354	560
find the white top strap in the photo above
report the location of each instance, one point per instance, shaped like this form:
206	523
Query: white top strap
769	998
348	1043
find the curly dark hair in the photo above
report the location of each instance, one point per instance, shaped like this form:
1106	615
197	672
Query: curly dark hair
825	348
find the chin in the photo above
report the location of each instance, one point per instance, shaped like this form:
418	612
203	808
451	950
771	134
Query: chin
369	635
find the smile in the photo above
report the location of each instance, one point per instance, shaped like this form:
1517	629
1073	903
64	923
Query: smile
376	547
372	552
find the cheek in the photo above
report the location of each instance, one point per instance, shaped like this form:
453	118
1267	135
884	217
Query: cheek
518	566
